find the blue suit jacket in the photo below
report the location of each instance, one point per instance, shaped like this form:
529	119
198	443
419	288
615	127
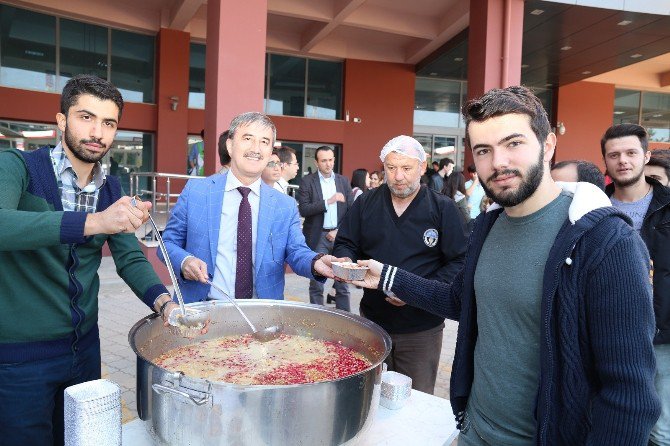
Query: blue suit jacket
193	229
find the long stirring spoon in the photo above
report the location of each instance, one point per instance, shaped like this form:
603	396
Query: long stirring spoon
264	335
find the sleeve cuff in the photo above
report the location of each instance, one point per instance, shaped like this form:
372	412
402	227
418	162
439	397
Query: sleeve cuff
387	277
72	227
153	293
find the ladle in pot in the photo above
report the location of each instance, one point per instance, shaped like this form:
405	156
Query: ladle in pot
264	335
189	318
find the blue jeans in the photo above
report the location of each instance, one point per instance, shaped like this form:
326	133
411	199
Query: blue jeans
660	433
31	396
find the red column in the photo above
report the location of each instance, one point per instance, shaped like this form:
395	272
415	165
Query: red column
235	70
494	47
172	79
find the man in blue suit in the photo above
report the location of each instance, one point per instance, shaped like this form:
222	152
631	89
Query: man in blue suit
235	230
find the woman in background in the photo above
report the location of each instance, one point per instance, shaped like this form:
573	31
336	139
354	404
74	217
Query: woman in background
454	188
360	182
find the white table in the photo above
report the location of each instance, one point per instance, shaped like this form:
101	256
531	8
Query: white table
424	419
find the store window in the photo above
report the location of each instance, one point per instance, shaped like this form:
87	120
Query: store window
83	50
27	136
296	86
646	108
133	65
196	76
27	49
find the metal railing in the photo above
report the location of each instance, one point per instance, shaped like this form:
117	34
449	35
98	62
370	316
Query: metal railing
158	190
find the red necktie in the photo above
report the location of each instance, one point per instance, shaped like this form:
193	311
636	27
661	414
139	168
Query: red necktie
244	280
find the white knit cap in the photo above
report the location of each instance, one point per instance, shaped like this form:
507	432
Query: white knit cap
405	145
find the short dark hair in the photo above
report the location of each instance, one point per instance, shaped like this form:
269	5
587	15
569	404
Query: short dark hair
358	179
322	149
660	161
89	84
623	130
285	154
472	168
445	162
224	156
435	163
586	172
497	102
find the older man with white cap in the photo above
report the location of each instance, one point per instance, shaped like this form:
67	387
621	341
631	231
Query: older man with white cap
411	225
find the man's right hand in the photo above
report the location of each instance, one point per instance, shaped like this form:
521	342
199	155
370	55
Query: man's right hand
121	216
339	196
194	269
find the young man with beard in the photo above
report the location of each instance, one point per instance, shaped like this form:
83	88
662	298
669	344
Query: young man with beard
428	228
647	203
554	302
57	210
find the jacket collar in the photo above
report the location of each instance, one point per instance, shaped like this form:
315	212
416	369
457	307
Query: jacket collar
661	196
587	197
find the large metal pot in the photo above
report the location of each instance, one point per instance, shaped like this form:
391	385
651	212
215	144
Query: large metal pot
192	411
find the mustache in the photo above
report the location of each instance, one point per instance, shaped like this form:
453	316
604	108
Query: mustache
93	141
503	172
252	153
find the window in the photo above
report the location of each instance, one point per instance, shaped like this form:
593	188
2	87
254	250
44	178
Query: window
303	87
648	109
656	116
130	152
26	135
133	65
83	50
27	49
626	107
437	102
324	89
196	76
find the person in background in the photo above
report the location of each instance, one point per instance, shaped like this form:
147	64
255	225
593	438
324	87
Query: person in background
414	226
437	180
554	303
375	179
289	168
658	168
272	172
454	188
196	157
57	211
224	156
360	182
235	230
647	203
577	170
474	191
324	198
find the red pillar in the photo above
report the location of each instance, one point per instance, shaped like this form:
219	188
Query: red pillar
494	47
235	70
172	125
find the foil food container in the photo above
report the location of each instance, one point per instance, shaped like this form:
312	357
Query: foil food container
93	414
349	270
395	390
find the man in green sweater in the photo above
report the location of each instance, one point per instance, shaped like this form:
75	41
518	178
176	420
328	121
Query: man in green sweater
57	209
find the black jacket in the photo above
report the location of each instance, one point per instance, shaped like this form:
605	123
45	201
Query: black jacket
656	234
312	207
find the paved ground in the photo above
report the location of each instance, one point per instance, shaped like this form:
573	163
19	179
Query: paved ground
120	310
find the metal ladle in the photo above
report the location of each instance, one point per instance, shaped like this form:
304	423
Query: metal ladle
264	335
189	318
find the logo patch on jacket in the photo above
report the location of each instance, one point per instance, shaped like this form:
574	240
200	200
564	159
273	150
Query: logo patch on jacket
430	237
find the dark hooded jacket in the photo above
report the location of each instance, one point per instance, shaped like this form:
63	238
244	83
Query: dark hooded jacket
596	355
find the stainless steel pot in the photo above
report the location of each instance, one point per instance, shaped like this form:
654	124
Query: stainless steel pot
192	411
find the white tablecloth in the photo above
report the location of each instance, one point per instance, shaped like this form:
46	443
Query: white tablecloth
425	419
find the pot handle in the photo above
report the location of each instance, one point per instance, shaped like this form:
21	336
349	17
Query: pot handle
195	401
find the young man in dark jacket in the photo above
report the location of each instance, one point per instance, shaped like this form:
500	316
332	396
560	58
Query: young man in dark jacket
647	203
554	302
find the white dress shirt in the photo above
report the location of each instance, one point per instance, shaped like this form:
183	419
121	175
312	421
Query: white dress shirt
226	251
328	189
281	185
